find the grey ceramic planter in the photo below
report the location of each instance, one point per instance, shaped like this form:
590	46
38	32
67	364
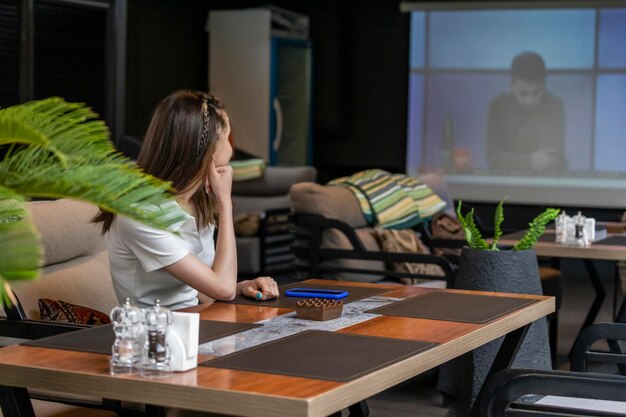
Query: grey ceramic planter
501	271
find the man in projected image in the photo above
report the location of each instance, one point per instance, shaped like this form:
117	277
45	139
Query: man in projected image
526	126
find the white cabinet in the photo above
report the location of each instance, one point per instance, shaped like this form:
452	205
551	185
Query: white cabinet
260	66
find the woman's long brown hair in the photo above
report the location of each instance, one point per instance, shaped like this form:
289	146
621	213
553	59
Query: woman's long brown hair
179	146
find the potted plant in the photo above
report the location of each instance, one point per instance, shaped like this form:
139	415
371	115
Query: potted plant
56	149
484	266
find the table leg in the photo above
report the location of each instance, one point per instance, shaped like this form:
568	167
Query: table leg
621	314
359	409
155	411
16	402
600	294
504	359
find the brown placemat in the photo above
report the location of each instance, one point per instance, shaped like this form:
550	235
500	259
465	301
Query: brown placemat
354	294
612	240
467	308
99	339
322	355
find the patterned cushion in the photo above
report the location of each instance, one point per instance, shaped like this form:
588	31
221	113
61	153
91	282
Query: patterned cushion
445	226
406	241
62	311
247	224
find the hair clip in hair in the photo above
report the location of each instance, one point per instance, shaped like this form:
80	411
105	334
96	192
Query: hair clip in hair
205	127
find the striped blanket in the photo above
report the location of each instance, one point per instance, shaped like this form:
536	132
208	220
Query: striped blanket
392	201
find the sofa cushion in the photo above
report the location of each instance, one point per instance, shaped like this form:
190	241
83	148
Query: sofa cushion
331	202
61	311
66	229
275	181
84	281
247	224
76	266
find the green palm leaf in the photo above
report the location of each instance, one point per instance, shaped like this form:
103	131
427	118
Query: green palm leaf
11	206
21	255
74	158
59	149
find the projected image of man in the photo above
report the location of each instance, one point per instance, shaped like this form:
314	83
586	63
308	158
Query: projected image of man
526	126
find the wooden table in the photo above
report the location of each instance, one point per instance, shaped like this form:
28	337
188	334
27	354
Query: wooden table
260	394
588	254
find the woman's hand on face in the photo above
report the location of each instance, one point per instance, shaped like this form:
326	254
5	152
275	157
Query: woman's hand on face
262	288
220	181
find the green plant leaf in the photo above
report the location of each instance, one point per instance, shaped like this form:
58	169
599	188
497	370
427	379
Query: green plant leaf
498	218
476	239
472	233
536	229
88	169
12	206
21	255
59	149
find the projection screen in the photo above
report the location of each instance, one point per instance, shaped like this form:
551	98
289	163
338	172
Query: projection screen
467	118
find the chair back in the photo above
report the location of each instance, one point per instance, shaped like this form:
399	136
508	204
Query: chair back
334	241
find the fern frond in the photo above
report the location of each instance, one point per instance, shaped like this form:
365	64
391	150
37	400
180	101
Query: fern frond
537	227
466	230
476	239
498	218
472	234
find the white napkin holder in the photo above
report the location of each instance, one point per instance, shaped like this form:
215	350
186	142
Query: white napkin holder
182	341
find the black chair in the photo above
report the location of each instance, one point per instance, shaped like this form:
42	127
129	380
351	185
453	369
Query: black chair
502	392
317	261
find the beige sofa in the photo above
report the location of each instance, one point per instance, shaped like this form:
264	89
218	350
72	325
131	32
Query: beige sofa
76	266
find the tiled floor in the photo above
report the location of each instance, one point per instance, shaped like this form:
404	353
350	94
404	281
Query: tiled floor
419	397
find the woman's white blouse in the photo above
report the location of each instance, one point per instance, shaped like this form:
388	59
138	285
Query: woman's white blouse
138	253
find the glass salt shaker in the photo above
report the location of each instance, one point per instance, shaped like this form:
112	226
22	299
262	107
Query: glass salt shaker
156	354
560	225
127	321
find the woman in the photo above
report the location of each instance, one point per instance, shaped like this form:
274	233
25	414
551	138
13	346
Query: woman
187	144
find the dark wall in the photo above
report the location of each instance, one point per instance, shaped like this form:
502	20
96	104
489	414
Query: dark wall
360	70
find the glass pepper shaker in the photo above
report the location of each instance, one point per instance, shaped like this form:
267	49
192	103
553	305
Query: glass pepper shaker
156	354
127	321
